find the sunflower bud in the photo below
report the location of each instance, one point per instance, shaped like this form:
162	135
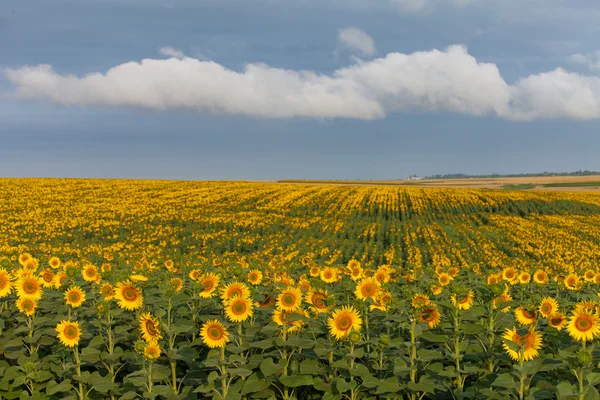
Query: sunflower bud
584	357
385	340
355	337
30	367
140	346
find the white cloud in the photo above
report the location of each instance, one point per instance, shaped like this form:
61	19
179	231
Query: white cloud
450	80
355	39
171	52
419	5
590	60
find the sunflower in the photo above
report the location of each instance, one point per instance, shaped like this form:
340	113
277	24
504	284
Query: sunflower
524	277
138	278
68	333
255	277
209	281
315	271
59	279
529	344
382	302
420	301
453	271
430	315
31	265
106	267
382	276
573	282
356	272
343	321
463	303
195	274
152	351
27	306
585	306
74	296
444	279
494	279
525	316
23	258
583	326
107	291
29	287
5	283
557	321
238	309
290	299
436	290
304	284
510	274
128	296
47	277
214	334
234	289
548	307
329	275
176	284
589	275
54	263
367	288
597	278
150	328
500	300
540	277
90	273
318	300
293	323
169	264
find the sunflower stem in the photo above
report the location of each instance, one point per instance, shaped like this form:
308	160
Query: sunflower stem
224	388
150	377
522	376
78	366
459	378
491	339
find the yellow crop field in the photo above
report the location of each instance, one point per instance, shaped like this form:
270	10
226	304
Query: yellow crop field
127	289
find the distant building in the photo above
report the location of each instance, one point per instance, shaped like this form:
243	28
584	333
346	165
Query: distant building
414	178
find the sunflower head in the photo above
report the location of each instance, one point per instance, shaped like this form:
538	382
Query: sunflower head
290	299
343	321
128	296
74	296
367	288
548	307
525	316
318	300
27	306
150	328
523	346
152	351
235	289
557	321
583	326
214	334
69	333
238	309
255	277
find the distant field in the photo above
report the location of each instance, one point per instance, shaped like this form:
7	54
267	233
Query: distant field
549	183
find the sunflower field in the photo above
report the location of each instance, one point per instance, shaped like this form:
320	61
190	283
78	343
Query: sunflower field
122	289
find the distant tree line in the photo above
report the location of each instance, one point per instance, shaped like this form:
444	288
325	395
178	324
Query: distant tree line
462	176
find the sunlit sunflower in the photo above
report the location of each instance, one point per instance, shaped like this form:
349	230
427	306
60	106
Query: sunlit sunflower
430	315
557	321
529	344
524	277
583	326
597	278
107	291
548	307
367	288
255	277
444	279
382	276
290	299
585	306
152	351
453	271
329	275
318	300
47	277
150	328
343	321
128	296
382	302
420	301
195	274
69	333
355	272
59	279
74	296
572	282
238	309
176	284
27	306
540	277
214	334
169	264
589	275
31	265
292	319
315	271
89	273
436	290
510	274
209	282
500	300
463	302
525	316
234	289
29	287
494	279
5	283
106	267
54	263
304	285
23	258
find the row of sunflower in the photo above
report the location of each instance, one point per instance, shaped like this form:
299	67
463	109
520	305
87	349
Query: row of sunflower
307	331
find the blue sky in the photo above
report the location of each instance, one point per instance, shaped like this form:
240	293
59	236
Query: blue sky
274	89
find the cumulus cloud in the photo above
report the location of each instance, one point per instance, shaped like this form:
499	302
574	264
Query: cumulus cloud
590	60
171	52
356	40
449	80
419	5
